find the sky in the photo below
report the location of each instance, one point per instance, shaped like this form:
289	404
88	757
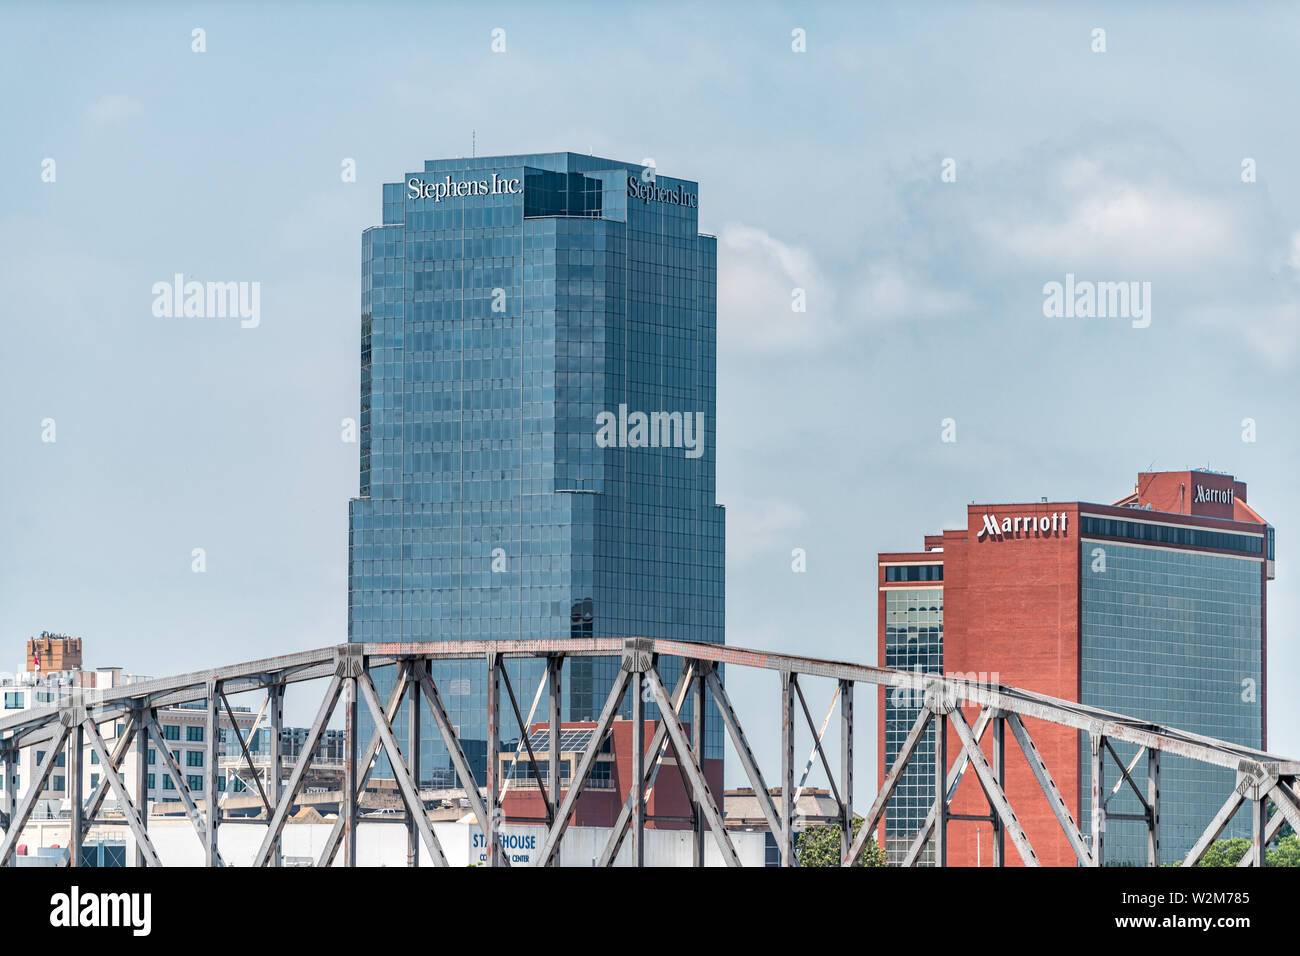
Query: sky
919	171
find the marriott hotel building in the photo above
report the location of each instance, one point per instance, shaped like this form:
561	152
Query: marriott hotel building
1153	607
507	302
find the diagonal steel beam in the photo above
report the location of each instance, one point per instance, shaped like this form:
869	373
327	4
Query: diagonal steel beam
997	798
1288	803
277	821
693	770
248	758
28	802
129	810
457	753
1270	834
1045	782
532	758
1126	774
365	766
954	780
747	760
817	740
169	762
401	772
1214	829
887	788
120	747
551	844
615	841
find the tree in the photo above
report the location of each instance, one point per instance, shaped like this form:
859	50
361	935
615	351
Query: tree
820	846
1225	852
1286	853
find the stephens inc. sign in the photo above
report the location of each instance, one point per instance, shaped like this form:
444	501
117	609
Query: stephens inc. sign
446	189
653	192
1023	524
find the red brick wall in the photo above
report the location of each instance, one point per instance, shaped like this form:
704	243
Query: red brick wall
1011	608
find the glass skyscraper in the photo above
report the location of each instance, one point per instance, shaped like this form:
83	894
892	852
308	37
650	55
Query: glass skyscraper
538	380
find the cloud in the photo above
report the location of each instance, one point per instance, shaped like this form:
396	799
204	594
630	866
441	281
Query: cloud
759	526
757	276
891	290
1104	221
112	109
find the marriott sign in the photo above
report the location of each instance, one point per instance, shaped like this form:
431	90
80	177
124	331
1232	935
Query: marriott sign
1023	524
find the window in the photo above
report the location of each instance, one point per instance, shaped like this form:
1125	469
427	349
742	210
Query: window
94	781
94	756
194	782
60	781
194	734
194	758
167	782
171	732
914	572
149	781
13	700
152	755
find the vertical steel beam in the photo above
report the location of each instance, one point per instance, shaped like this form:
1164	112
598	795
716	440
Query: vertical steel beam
210	774
1097	747
413	746
638	768
697	746
76	750
786	836
275	702
1000	775
1153	807
846	767
11	794
553	676
940	789
348	810
141	778
1258	824
493	760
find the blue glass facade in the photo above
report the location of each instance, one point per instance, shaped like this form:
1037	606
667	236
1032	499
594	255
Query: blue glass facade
1174	637
913	642
507	303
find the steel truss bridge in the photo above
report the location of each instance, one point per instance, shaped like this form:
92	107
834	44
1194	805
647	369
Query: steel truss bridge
346	671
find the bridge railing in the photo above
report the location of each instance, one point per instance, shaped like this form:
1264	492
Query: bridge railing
346	669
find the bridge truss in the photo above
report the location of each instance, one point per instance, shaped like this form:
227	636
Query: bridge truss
346	670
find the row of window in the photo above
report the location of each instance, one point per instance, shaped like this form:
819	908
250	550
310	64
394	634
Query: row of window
914	572
1170	534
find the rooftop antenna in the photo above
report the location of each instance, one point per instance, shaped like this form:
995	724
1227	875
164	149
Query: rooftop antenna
473	142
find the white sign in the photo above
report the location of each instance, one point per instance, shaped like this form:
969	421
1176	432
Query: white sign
1043	524
446	189
1214	496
